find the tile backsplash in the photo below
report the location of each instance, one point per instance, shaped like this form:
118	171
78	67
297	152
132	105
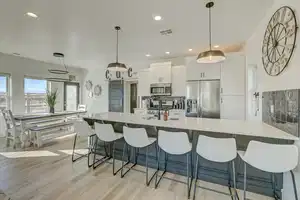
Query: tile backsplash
281	110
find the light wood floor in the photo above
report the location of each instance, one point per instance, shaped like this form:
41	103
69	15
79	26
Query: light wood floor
56	178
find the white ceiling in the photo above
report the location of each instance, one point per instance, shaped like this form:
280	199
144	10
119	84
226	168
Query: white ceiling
84	29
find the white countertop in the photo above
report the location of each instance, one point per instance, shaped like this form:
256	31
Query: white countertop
235	127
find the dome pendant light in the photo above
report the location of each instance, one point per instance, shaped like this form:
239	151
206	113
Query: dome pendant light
116	66
211	56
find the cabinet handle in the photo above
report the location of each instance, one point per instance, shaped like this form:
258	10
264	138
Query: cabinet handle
203	74
221	100
221	90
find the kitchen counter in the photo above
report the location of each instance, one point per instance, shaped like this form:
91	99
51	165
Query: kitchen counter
232	127
243	131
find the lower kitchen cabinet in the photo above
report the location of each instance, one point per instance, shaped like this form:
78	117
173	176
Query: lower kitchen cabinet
233	107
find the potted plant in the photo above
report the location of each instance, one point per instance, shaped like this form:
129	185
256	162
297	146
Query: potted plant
51	100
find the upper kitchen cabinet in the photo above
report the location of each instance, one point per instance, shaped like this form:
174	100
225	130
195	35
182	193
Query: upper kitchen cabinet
144	83
178	81
233	75
160	72
196	71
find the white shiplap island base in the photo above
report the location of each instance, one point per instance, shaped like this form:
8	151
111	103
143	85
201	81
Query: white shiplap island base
243	131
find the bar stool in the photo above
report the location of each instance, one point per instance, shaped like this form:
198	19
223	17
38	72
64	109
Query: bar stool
272	158
175	143
220	150
83	129
137	138
106	133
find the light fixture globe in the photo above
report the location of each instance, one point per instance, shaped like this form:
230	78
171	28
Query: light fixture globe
117	67
211	56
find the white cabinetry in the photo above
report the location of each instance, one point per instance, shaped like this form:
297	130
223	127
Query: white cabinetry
196	71
233	87
160	72
178	81
233	75
144	83
233	107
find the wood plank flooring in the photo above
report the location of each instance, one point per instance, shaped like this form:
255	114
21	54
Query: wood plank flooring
57	178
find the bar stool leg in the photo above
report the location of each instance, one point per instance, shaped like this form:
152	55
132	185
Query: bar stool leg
245	179
196	177
234	180
294	183
124	146
74	145
188	175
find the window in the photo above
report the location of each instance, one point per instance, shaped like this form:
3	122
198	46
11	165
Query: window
35	93
4	92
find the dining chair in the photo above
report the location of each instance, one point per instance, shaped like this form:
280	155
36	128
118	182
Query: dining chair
12	131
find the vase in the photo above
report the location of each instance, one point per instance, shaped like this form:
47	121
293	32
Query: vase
51	110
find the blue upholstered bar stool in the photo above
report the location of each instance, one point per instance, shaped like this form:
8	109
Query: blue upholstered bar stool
175	143
272	158
137	138
220	150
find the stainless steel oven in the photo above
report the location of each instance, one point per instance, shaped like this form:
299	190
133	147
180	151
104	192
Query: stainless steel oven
161	89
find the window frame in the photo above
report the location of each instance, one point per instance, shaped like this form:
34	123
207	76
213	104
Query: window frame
8	89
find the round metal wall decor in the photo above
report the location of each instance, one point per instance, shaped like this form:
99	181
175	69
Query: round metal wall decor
88	85
279	41
97	90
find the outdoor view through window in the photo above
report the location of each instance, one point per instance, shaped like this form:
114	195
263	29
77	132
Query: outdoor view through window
35	92
3	92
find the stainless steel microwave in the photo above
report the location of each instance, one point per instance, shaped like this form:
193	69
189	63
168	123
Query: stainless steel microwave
161	89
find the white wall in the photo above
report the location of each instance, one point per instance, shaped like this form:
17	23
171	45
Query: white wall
288	79
19	67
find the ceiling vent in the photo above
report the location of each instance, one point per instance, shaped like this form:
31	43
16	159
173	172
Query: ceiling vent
166	32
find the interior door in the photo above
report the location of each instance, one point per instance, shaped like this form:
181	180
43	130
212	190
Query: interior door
71	96
116	96
133	97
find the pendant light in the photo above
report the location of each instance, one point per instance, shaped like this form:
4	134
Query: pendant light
116	66
65	71
210	56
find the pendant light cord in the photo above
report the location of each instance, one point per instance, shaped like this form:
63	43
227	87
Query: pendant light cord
117	56
209	26
63	60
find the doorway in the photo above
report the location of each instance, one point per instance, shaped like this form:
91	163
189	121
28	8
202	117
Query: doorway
116	96
133	97
71	96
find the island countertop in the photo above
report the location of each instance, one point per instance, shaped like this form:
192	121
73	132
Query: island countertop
232	127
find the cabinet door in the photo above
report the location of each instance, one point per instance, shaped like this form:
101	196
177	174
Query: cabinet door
211	72
233	75
178	81
160	72
196	71
233	107
143	83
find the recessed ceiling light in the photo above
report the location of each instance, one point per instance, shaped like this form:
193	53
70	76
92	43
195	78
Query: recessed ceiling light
217	46
167	52
157	17
148	55
30	14
190	49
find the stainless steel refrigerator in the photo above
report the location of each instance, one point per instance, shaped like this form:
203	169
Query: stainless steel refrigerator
203	99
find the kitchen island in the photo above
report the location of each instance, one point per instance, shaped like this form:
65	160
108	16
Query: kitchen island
243	131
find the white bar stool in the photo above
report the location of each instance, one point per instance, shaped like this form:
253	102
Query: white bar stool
82	129
221	150
271	158
106	133
175	143
137	138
